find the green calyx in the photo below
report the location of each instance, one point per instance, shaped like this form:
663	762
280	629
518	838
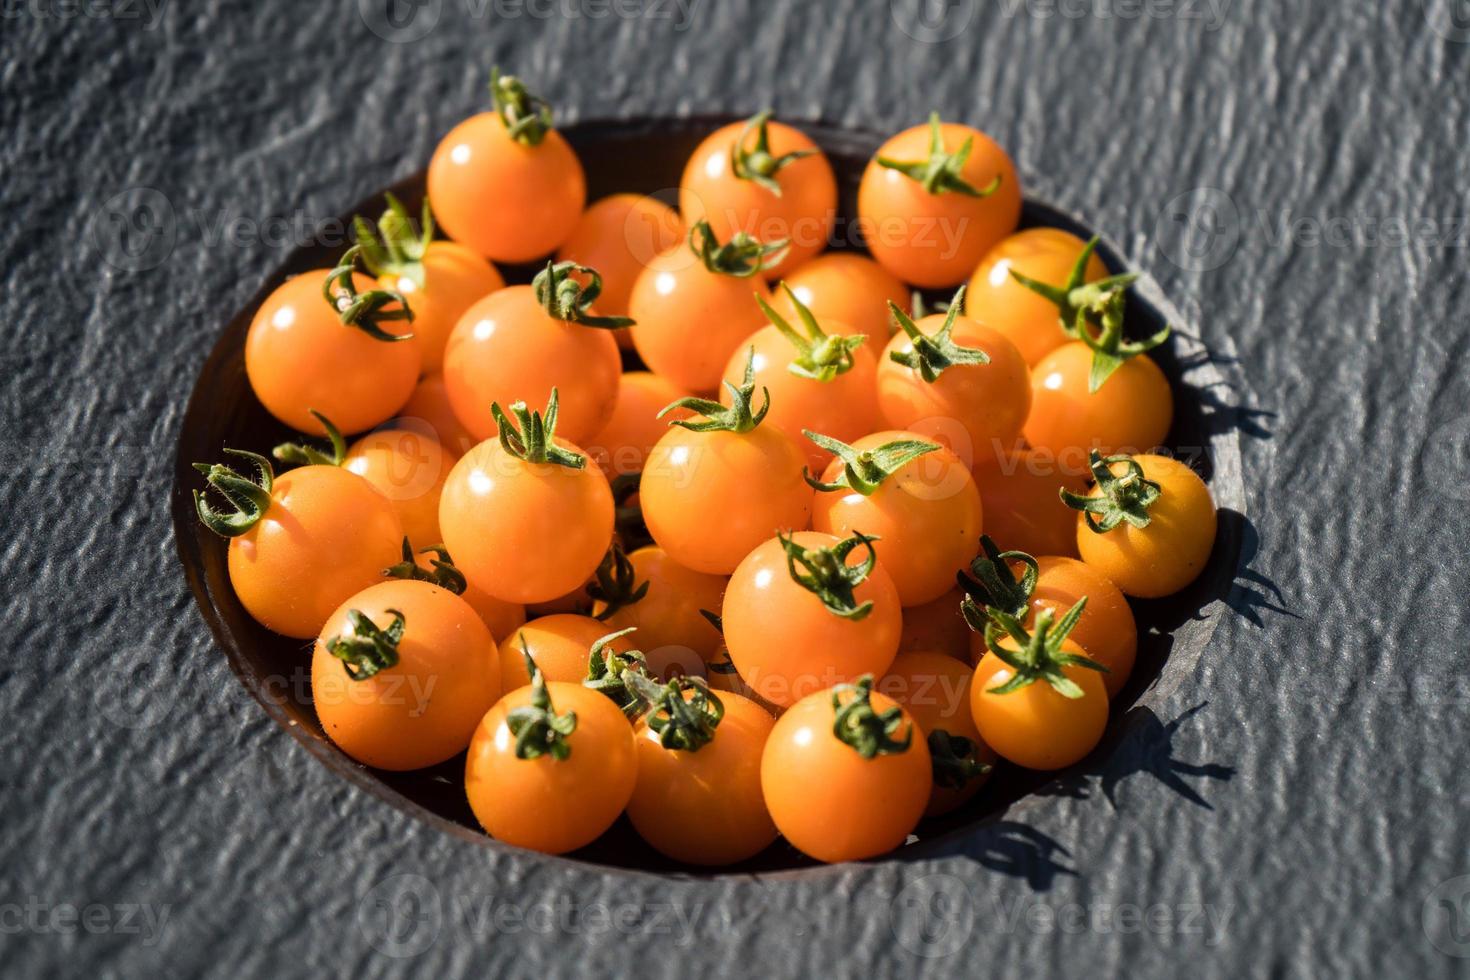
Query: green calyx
758	164
714	417
932	356
442	572
865	471
608	670
394	247
529	437
857	724
527	117
367	649
742	257
992	585
819	356
1040	657
1121	498
1092	312
825	573
365	311
953	759
615	583
305	454
564	298
249	498
941	172
681	722
538	729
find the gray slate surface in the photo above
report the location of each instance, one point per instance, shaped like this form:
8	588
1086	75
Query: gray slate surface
1327	828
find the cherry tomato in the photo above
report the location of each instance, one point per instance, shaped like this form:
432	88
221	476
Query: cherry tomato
619	236
402	673
1131	412
806	612
937	627
819	376
300	543
693	308
813	779
844	287
633	427
918	500
429	406
1159	519
509	344
950	371
560	645
721	675
710	495
698	797
300	354
501	618
671	630
409	468
534	784
934	688
505	183
766	179
1022	508
524	516
1027	320
933	230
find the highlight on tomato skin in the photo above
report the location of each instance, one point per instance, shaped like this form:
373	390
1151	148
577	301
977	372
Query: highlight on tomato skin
619	236
844	287
934	688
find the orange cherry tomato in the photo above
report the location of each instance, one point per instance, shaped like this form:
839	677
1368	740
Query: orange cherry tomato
1171	551
788	638
631	430
300	356
935	689
936	235
671	630
619	236
766	179
1131	412
925	514
501	618
844	287
704	805
812	779
422	708
1027	320
1023	511
563	790
409	468
512	197
560	644
429	406
721	675
942	391
1107	631
311	538
530	522
937	627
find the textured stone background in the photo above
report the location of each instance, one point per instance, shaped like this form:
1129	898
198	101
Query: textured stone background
1297	807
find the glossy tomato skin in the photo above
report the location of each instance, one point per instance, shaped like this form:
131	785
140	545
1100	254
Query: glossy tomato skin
630	432
706	807
501	618
937	627
299	356
847	288
507	201
454	278
1036	727
671	631
429	406
811	781
786	644
1107	630
546	804
1131	412
803	213
1023	504
424	709
326	536
927	516
619	236
691	321
409	468
710	497
507	348
561	645
934	240
975	409
935	689
995	298
1170	553
525	532
844	408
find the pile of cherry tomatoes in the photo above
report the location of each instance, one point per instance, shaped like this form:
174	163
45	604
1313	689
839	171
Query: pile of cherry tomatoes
813	570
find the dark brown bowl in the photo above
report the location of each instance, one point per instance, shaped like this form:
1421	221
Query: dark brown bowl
648	157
